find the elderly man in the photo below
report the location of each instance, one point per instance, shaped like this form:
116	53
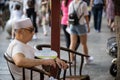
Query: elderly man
23	54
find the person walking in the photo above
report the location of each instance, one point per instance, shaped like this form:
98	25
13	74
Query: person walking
110	14
80	29
30	9
45	16
64	22
16	15
97	6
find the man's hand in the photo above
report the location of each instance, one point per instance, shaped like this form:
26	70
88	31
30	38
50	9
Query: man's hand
49	62
61	63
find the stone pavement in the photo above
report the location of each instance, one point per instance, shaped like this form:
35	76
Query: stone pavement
99	70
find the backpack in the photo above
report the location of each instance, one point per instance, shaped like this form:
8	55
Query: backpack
73	18
31	3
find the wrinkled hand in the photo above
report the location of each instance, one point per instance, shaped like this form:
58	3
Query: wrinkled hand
49	62
61	63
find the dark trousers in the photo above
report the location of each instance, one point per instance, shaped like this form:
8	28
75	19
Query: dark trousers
89	16
97	13
2	6
67	38
32	15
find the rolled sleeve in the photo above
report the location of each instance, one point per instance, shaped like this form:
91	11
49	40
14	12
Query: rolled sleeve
16	50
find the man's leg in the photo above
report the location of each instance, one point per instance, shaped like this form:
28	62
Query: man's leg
95	17
100	11
34	22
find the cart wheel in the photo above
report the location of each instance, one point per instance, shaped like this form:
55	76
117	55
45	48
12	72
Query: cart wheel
113	69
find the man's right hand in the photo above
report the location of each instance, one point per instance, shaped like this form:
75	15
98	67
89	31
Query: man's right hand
49	62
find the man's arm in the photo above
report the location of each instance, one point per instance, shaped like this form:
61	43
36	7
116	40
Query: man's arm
21	61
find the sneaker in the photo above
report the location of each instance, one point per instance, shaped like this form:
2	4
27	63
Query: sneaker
98	31
89	60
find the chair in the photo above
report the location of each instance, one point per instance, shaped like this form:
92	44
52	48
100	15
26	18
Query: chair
32	69
74	72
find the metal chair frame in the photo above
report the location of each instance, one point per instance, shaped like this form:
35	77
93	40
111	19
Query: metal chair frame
71	75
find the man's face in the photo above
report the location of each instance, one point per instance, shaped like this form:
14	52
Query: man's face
28	33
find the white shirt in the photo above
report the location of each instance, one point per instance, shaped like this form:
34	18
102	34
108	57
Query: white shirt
12	7
16	14
81	10
17	47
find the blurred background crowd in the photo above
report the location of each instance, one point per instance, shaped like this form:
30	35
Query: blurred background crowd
11	10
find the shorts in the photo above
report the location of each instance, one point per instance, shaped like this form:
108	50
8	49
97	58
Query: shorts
78	29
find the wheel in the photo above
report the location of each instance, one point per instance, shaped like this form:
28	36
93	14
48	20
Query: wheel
113	69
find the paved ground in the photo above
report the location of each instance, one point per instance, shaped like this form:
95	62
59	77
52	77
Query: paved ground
99	70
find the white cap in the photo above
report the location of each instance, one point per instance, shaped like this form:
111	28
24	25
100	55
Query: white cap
23	23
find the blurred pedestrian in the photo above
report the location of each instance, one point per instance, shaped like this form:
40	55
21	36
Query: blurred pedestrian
79	29
16	15
45	16
97	6
64	22
30	9
110	14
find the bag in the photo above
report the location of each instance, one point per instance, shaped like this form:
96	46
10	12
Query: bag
31	3
73	18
